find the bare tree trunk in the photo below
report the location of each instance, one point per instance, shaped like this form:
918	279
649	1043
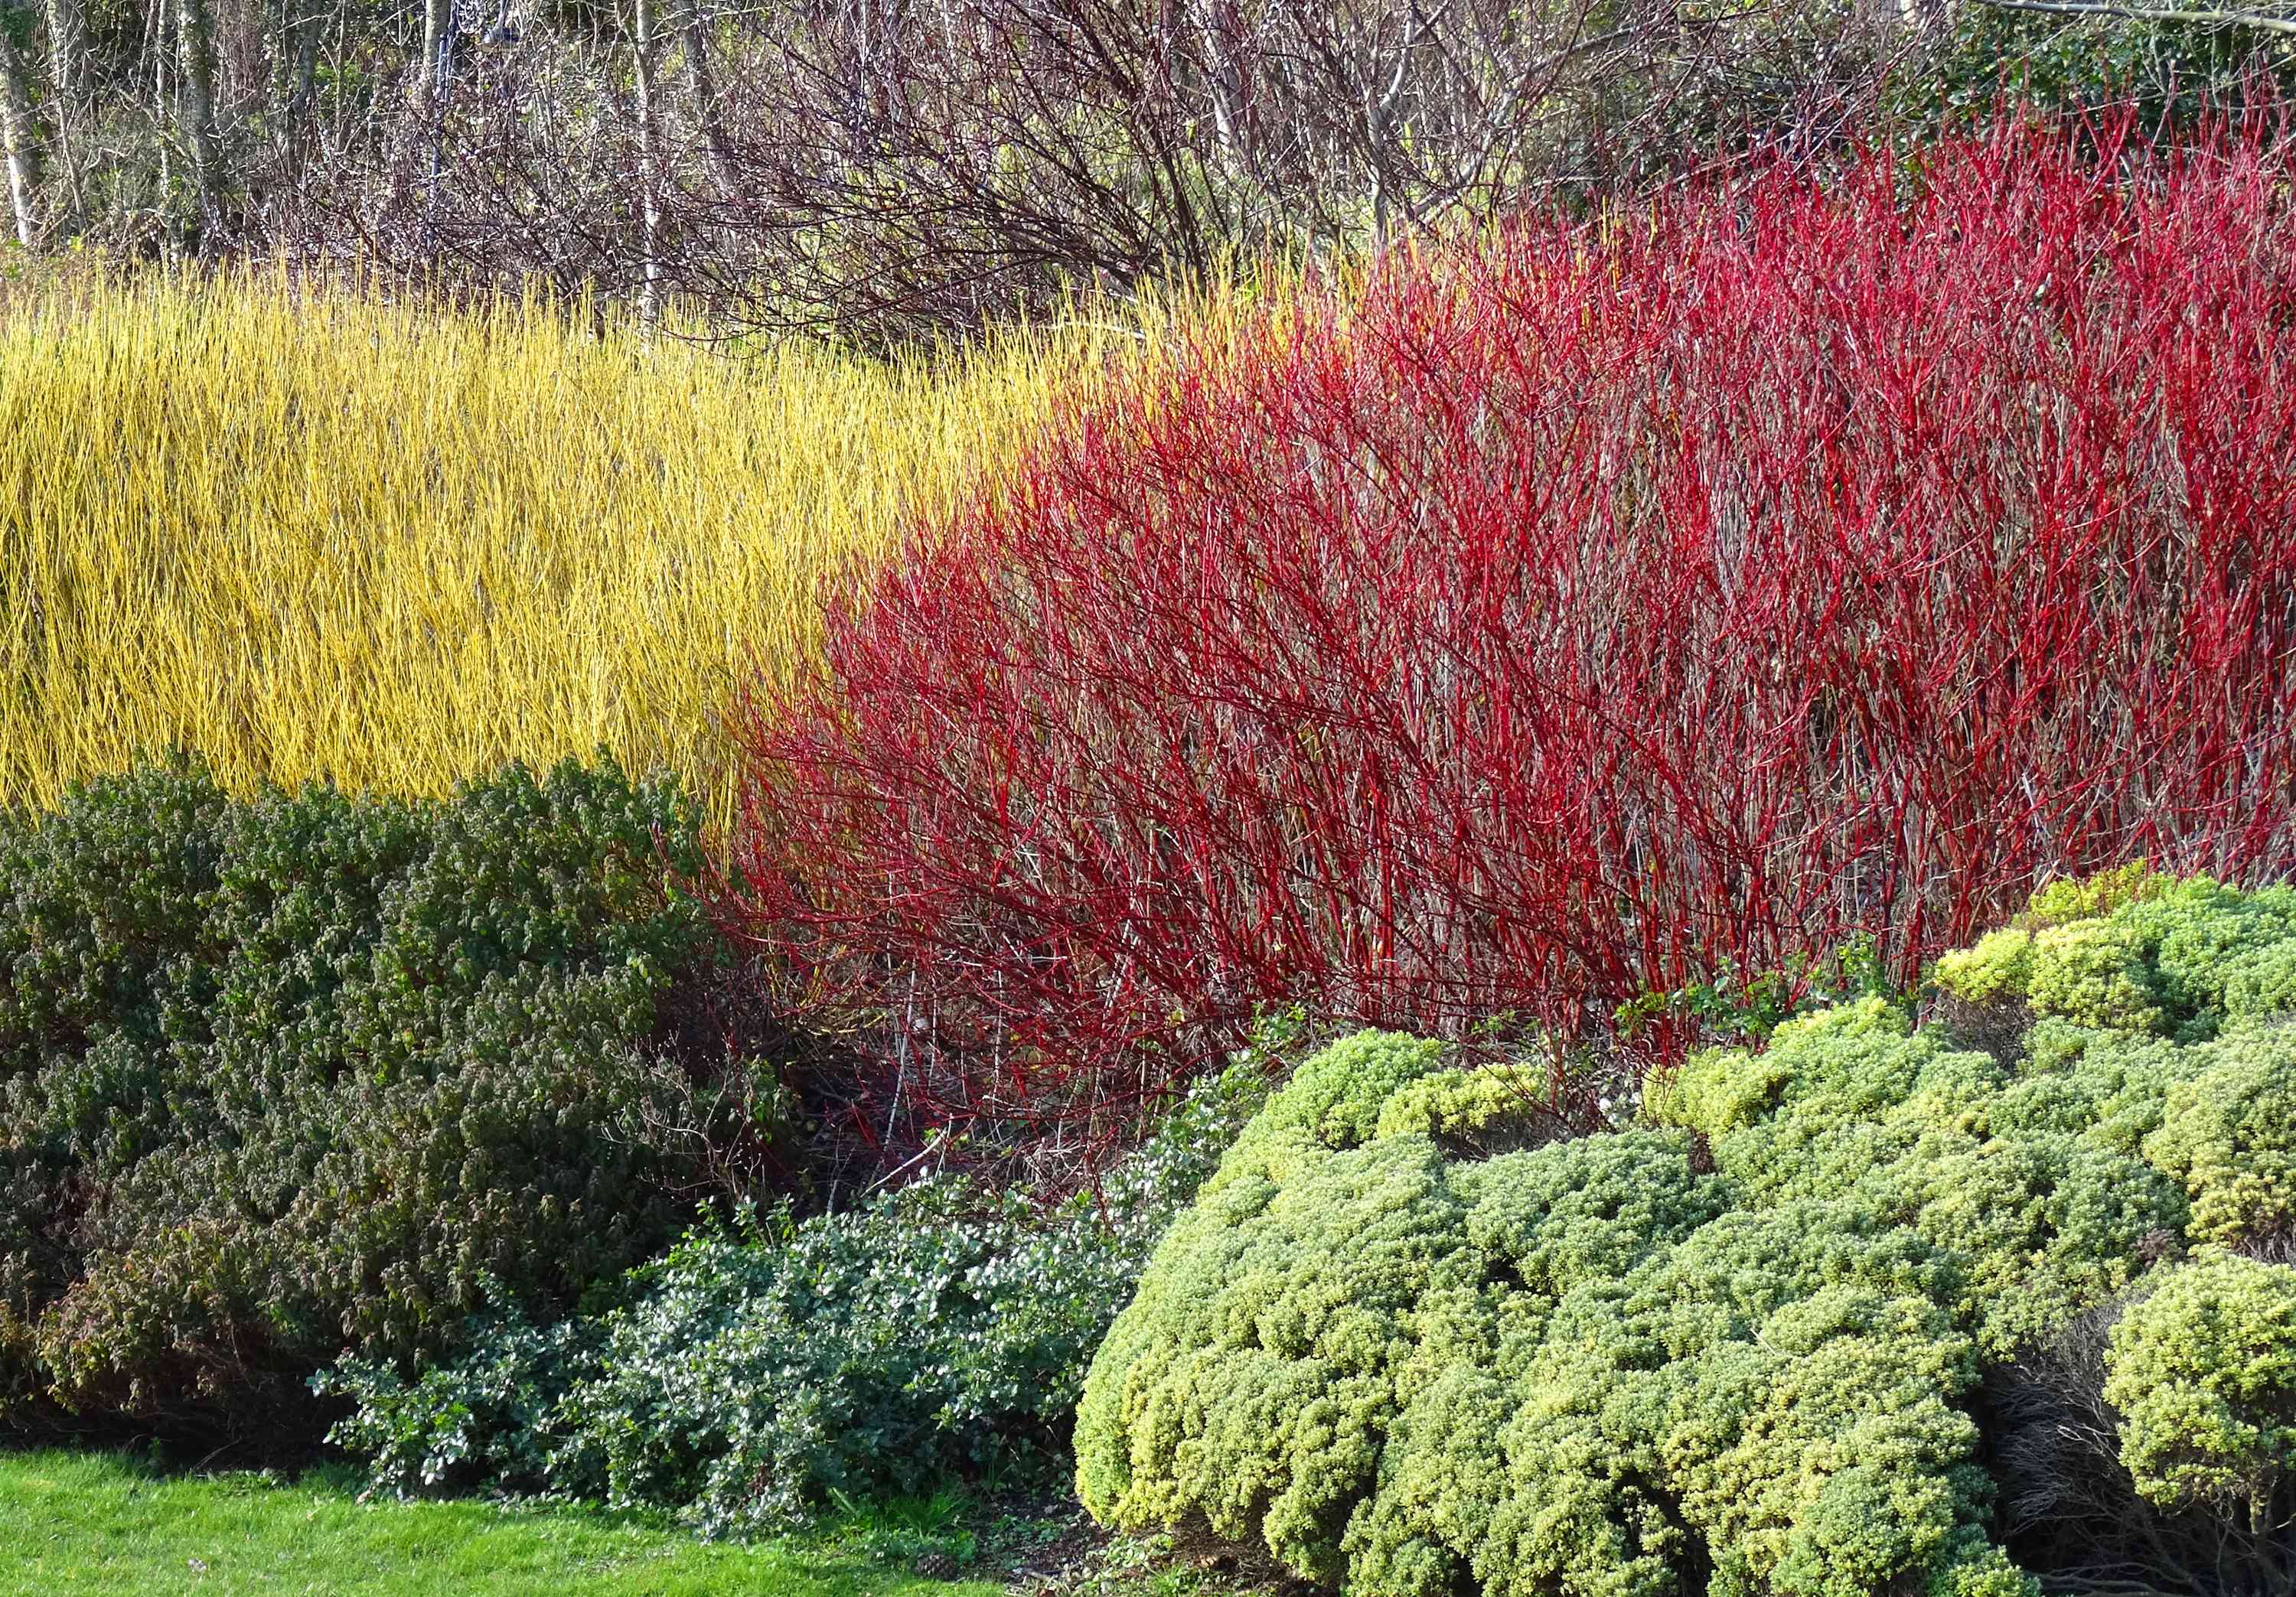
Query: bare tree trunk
301	22
68	57
438	42
646	46
196	114
17	130
159	56
161	52
302	47
72	76
434	83
704	86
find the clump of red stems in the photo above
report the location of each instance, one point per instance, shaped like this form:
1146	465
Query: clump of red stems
1554	618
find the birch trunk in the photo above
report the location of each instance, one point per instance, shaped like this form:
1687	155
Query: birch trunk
646	45
19	132
68	57
438	28
196	113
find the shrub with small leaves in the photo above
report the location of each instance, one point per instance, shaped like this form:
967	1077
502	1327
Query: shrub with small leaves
2166	71
754	1374
2228	1133
301	1073
1582	1366
1737	1346
2204	1371
484	1415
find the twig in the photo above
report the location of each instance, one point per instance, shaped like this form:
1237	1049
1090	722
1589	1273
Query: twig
2143	13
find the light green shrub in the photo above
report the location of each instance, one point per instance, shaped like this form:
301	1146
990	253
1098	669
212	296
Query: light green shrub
1997	970
2137	952
2262	981
1336	1097
2225	955
2096	973
1737	1341
2087	897
1457	1104
2228	1133
2203	1372
1566	1368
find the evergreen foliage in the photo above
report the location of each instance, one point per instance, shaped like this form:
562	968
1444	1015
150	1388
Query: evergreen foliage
306	1072
1737	1346
2203	1369
751	1376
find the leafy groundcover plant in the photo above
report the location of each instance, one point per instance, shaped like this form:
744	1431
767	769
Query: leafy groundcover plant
303	1072
1757	1341
757	1374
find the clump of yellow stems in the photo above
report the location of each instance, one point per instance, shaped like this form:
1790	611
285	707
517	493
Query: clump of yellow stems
312	535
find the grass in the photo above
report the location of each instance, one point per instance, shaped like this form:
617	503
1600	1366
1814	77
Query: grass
76	1524
324	535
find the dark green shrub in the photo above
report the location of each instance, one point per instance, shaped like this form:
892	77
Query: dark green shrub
752	1375
2168	73
1738	1347
283	1076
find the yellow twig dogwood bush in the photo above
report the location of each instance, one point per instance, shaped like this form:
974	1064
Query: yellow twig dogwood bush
310	535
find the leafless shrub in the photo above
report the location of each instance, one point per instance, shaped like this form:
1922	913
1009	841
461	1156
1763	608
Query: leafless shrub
881	165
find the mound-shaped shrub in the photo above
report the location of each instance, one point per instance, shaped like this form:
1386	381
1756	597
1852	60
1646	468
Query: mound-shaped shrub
299	1073
2204	1370
1738	1346
1565	618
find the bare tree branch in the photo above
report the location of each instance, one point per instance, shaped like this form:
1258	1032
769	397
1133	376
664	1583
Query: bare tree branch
2142	13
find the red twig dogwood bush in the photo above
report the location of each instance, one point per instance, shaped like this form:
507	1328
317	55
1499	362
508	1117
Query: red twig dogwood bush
1557	617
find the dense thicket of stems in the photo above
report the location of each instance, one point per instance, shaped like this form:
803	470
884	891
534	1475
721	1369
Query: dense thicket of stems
886	167
1568	618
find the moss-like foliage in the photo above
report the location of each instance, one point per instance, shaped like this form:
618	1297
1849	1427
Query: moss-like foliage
2204	1371
1732	1348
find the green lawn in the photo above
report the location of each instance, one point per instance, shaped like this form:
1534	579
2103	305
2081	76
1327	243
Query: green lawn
74	1524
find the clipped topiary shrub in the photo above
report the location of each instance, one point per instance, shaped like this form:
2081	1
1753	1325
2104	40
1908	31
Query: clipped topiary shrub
306	1072
1741	1346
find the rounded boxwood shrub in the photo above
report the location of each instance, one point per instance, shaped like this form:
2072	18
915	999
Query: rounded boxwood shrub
1738	1346
298	1073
